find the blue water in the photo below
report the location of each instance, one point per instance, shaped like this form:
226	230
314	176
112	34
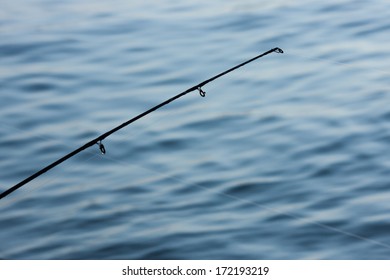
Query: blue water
286	158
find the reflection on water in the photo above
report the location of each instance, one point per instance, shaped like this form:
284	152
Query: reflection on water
286	158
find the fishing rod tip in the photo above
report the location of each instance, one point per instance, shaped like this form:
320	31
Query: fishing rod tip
278	50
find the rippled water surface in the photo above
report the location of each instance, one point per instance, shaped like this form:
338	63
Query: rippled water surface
286	158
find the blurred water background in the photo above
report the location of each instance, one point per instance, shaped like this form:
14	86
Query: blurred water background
286	158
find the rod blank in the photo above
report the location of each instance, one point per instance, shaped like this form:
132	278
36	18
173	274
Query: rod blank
98	140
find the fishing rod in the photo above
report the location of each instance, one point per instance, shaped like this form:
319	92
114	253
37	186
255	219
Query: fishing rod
98	140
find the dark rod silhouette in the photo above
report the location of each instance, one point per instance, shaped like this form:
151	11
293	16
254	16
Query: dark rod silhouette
98	140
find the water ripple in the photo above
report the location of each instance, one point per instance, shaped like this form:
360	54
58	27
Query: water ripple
286	158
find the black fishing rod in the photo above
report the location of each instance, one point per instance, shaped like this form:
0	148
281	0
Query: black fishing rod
98	140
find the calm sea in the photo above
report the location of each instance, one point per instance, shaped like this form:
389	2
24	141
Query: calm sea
286	158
